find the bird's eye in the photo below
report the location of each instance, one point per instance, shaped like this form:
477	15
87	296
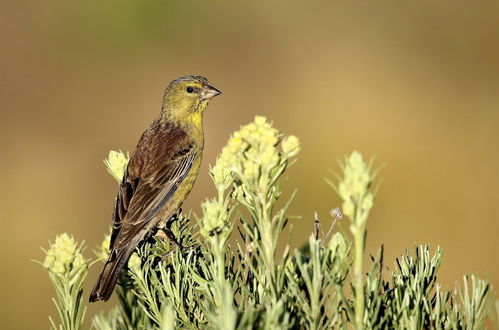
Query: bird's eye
190	89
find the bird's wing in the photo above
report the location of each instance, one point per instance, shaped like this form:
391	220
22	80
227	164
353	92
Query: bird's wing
160	163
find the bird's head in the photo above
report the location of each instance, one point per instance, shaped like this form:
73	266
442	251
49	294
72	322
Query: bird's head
186	98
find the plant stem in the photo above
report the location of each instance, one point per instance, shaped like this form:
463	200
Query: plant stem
267	234
357	271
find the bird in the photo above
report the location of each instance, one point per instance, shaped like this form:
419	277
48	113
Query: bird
159	176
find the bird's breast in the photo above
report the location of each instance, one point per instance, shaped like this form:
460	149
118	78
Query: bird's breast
183	190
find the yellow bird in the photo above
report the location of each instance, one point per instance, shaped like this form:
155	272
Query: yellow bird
159	175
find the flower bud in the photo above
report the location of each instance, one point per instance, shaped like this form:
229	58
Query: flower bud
290	146
221	176
354	188
367	202
214	218
116	163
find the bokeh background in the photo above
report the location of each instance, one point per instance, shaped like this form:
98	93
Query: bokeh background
413	82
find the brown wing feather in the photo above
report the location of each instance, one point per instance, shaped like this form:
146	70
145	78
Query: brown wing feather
163	158
161	161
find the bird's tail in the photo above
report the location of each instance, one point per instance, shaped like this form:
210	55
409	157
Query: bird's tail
109	275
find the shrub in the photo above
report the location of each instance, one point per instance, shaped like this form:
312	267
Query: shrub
208	283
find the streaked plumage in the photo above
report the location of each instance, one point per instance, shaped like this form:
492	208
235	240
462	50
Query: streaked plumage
159	175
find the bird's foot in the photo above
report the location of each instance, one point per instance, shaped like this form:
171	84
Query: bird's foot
166	234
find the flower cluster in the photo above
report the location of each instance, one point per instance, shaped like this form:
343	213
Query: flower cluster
67	271
64	256
215	218
116	163
253	153
354	188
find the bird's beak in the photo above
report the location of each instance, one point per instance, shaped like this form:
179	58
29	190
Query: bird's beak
208	92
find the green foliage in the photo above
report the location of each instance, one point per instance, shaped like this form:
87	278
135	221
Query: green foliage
67	270
204	282
412	299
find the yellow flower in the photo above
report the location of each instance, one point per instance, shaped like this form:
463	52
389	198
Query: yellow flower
236	143
253	156
64	256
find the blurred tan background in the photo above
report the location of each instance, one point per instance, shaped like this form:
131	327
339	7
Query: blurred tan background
414	83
